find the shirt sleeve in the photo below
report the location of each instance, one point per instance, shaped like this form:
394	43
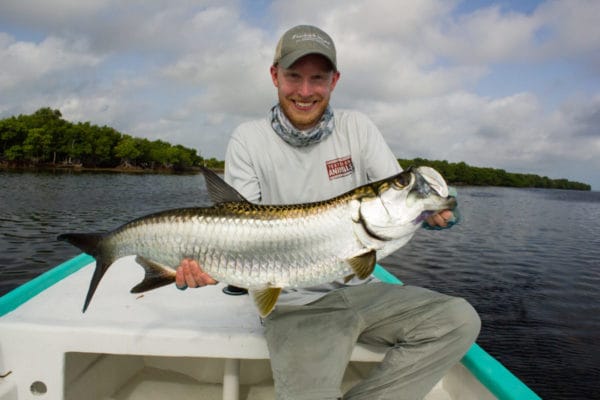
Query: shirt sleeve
239	170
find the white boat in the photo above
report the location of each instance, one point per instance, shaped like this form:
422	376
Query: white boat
197	344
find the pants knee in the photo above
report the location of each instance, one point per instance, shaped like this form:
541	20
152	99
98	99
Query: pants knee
465	319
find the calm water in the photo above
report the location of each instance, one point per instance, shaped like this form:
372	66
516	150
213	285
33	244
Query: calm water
528	260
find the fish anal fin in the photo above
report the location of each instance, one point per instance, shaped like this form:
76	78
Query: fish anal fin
364	264
157	275
265	299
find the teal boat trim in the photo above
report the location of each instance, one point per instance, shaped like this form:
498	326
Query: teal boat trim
495	377
27	291
489	371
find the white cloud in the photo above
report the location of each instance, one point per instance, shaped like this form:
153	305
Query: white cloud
570	28
28	61
513	132
50	13
228	64
487	35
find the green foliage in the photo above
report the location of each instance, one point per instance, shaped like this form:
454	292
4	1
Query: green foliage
463	174
213	163
45	138
127	149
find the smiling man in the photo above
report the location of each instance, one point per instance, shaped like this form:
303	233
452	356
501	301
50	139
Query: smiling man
304	79
304	151
304	89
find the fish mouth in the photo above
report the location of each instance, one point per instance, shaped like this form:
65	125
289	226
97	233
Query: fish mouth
429	184
450	203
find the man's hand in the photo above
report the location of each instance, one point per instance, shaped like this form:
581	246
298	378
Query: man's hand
189	274
440	219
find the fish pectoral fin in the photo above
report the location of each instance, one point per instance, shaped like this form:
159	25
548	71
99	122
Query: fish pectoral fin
157	275
348	278
265	299
364	264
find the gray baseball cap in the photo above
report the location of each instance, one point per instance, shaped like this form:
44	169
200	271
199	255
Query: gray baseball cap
302	40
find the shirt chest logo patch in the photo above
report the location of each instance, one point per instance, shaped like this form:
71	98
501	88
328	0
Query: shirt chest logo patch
339	167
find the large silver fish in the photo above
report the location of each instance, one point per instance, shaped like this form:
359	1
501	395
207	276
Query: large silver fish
268	247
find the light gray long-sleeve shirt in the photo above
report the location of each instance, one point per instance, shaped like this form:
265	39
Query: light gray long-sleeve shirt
265	169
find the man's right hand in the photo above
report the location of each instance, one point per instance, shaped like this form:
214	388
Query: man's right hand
189	274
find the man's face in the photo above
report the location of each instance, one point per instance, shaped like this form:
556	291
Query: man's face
304	89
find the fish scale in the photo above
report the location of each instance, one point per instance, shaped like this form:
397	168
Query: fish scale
257	247
267	247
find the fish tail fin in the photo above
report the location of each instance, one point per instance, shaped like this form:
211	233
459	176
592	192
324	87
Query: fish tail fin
90	244
101	268
86	242
157	275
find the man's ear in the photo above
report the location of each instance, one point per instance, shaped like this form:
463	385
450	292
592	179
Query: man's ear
334	79
274	70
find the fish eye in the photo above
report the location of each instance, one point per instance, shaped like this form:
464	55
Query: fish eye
402	180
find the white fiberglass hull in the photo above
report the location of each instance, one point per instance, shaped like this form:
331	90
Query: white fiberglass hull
162	344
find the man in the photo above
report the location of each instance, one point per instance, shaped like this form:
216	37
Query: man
304	151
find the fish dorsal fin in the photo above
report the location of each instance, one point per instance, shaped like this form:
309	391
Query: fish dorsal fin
265	299
219	190
364	264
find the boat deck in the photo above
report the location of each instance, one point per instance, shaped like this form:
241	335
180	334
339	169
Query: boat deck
182	344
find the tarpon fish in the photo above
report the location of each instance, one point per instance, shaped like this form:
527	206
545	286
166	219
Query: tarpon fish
265	248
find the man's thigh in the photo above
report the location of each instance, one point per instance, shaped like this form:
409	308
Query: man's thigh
310	347
392	312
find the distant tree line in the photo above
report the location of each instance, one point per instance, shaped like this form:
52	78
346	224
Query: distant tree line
45	138
463	174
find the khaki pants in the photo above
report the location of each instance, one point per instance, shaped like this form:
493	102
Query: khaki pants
424	332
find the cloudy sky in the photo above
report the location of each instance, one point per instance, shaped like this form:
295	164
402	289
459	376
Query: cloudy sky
512	84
